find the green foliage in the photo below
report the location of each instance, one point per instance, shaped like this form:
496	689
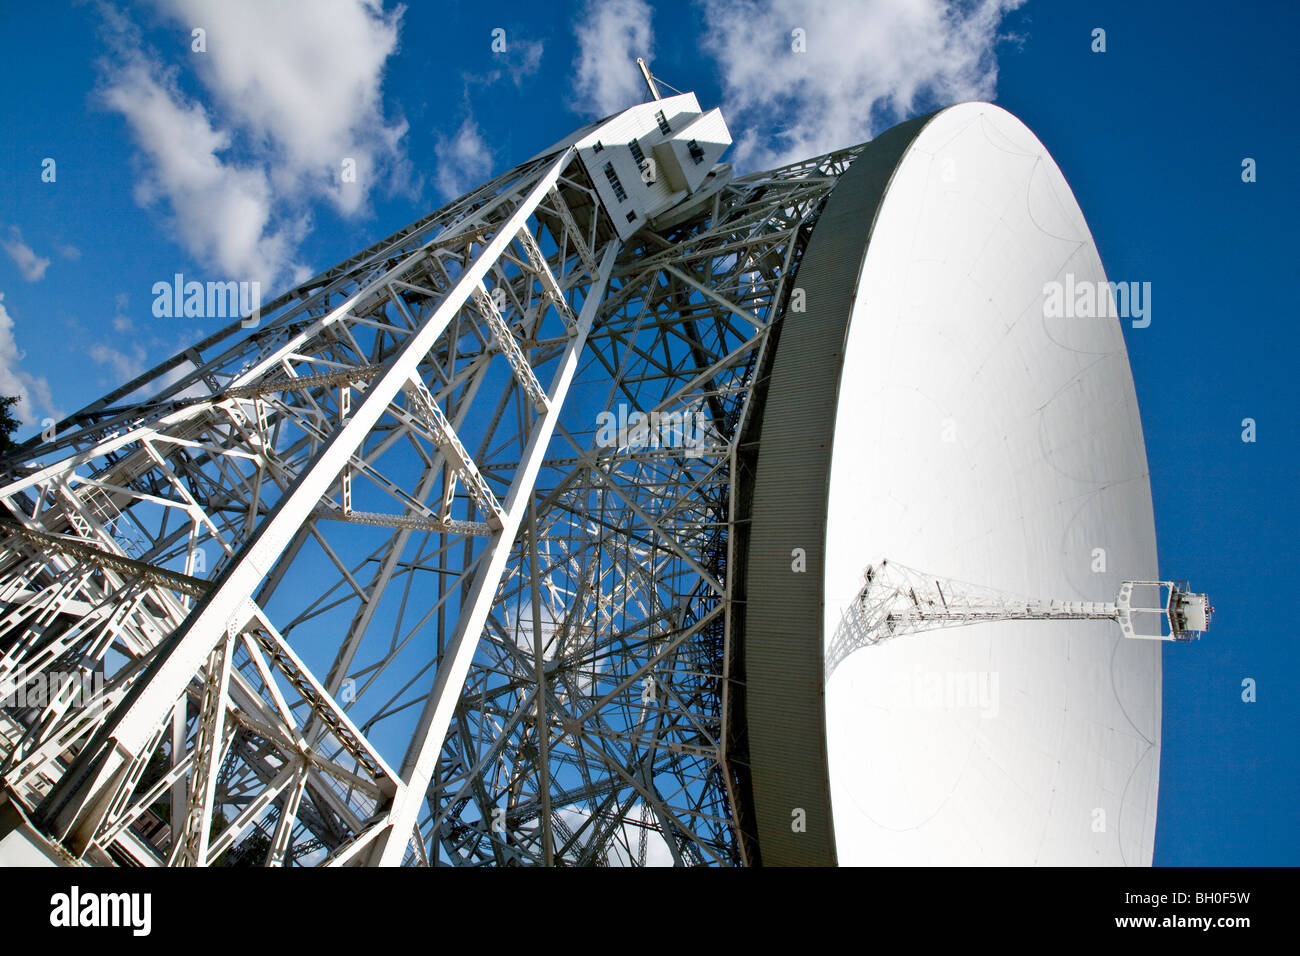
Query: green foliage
8	424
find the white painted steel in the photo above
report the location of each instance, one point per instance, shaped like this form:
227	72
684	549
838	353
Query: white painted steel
421	757
983	442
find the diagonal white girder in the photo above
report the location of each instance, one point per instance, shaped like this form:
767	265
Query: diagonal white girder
316	343
510	348
74	810
422	755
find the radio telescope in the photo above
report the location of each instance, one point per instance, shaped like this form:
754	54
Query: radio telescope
525	535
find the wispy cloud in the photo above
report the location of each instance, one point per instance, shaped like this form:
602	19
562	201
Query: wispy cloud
525	60
611	34
124	365
220	211
121	321
519	60
33	391
294	114
28	262
866	65
306	78
461	161
464	159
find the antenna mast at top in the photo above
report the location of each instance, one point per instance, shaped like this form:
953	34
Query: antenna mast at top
649	80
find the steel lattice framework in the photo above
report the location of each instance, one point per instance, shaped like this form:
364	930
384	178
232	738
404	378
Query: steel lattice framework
366	584
896	600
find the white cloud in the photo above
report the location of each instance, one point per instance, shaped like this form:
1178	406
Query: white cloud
611	35
124	367
520	60
121	321
525	59
221	212
305	77
462	161
33	390
29	263
295	91
867	65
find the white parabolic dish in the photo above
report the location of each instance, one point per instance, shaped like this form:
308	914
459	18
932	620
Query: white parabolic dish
978	440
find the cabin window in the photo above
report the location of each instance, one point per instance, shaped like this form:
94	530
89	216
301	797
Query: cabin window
614	182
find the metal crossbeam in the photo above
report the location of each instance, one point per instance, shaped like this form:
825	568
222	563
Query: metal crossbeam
528	621
896	600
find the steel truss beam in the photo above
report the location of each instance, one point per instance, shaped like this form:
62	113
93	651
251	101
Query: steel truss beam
521	619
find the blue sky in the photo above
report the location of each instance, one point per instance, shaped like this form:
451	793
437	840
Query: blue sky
225	164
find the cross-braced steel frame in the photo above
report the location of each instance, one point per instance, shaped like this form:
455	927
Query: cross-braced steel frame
369	583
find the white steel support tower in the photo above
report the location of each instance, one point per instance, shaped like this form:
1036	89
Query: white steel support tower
367	582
